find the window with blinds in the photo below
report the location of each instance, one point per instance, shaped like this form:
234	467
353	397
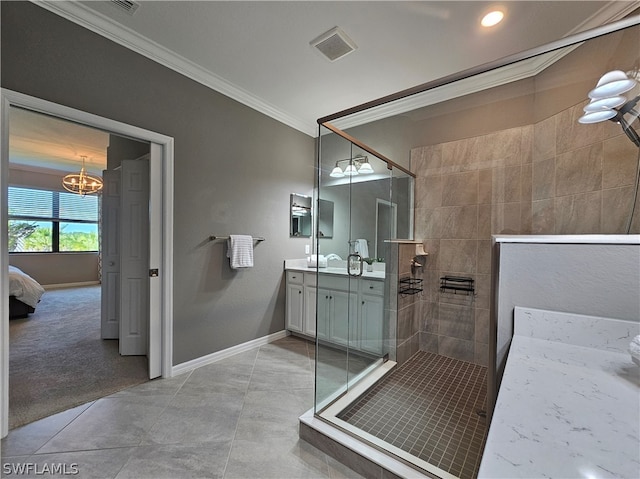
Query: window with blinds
52	221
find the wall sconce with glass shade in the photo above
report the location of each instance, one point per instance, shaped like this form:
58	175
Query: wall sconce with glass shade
358	165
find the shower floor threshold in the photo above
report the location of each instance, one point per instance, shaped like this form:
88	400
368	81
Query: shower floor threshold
368	447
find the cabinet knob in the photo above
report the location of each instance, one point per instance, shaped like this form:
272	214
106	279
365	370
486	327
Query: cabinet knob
370	287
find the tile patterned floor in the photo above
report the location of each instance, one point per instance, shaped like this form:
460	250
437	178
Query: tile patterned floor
236	418
428	408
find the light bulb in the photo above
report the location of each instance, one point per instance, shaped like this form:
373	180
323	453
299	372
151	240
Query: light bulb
611	84
365	169
336	172
350	170
492	18
605	103
597	116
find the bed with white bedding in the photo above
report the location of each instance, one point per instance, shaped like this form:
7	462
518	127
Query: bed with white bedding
24	293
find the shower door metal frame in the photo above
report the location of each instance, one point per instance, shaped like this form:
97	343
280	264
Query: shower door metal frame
391	165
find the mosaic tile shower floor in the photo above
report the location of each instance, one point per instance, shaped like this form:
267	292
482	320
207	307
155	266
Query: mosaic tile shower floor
429	408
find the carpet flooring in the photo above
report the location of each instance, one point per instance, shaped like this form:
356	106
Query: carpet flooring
58	361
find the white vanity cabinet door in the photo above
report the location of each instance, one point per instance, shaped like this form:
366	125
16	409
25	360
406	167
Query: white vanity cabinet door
309	321
371	323
301	302
324	308
341	315
295	307
370	315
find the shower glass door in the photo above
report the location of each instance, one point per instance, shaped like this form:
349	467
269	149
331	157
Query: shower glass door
353	329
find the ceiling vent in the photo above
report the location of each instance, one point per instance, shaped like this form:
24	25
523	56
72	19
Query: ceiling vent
334	44
126	5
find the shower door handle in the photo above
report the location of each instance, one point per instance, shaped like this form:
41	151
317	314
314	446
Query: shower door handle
352	259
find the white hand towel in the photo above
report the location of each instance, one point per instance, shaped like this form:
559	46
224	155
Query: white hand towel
362	248
240	251
634	349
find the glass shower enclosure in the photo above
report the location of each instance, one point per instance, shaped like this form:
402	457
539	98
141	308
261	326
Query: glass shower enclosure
365	201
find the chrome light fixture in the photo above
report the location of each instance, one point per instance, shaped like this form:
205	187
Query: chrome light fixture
358	165
608	103
82	183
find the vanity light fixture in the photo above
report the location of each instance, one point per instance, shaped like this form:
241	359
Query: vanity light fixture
608	103
82	183
358	165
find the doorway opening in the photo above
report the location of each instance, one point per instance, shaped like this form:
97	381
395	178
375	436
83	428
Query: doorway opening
160	198
58	234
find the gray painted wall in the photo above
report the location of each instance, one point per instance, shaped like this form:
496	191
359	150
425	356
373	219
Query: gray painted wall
234	169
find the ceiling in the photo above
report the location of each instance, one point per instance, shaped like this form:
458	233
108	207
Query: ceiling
259	52
41	142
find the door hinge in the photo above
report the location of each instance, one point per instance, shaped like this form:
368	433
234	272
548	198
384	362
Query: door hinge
153	273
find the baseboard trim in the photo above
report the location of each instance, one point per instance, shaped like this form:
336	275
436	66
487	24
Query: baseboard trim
70	285
225	353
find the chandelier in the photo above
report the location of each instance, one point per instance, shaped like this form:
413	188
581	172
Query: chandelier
82	183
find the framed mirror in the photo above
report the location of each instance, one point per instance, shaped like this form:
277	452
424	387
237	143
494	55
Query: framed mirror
300	224
325	219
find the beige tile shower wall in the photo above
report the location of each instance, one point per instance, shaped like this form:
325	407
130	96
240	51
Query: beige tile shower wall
582	178
554	177
409	307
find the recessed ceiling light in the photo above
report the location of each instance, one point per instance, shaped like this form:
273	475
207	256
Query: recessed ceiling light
492	18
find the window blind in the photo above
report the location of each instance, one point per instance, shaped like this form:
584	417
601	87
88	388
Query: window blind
52	205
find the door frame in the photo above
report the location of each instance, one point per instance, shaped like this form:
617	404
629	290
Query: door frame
161	231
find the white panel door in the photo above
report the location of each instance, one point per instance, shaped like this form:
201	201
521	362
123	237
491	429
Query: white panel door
110	237
134	258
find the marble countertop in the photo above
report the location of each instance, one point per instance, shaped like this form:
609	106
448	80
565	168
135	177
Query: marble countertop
569	402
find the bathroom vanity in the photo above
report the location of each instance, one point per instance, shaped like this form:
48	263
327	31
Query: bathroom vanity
339	296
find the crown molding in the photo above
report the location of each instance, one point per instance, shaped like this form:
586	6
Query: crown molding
473	84
611	12
106	27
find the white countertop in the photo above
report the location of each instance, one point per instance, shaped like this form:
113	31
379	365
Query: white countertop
569	402
568	239
301	265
